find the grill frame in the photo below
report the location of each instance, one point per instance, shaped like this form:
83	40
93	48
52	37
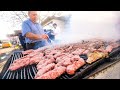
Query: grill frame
81	73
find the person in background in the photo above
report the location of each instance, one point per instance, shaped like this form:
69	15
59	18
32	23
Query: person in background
33	32
57	32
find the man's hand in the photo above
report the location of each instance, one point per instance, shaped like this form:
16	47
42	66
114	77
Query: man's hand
44	36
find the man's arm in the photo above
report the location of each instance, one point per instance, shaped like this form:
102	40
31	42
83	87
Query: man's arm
33	36
26	31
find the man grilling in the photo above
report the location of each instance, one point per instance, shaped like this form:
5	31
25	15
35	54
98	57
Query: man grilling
33	32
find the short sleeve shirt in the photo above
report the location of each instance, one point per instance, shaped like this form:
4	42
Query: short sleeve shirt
29	26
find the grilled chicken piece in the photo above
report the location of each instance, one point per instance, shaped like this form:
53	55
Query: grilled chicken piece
92	57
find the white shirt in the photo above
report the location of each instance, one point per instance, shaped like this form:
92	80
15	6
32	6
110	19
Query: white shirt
57	32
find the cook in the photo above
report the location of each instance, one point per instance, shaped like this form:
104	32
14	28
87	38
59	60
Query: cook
33	32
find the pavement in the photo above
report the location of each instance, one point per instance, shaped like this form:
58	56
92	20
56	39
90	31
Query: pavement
112	72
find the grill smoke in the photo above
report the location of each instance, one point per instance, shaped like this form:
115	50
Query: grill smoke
92	24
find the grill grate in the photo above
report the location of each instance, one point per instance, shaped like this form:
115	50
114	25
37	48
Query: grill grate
29	72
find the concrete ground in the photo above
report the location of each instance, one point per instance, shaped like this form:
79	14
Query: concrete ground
112	72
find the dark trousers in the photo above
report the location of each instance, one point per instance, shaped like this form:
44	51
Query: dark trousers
35	45
30	46
22	41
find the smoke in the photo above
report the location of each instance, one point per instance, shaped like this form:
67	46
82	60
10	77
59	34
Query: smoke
91	24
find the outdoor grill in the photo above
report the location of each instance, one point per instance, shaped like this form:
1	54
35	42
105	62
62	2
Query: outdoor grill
29	72
23	73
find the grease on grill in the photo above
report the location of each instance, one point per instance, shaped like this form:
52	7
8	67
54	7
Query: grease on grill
84	56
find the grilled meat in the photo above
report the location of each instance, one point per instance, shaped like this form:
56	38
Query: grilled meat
45	69
73	67
26	60
109	48
78	51
27	51
47	61
19	63
92	57
53	74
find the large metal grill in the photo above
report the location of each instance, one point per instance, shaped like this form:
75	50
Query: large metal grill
29	72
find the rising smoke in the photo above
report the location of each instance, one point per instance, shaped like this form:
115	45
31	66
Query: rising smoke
92	24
